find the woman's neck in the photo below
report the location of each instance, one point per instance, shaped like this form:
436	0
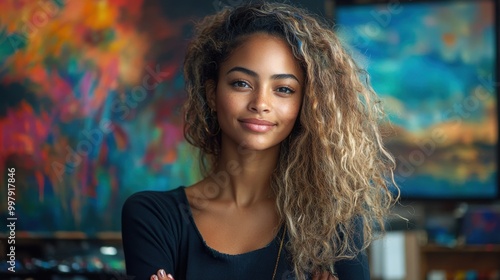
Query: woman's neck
243	175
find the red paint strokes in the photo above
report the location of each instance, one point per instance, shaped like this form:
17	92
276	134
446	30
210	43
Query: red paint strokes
171	136
113	179
21	131
41	186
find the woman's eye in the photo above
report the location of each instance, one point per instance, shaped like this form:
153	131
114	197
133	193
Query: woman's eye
285	90
242	84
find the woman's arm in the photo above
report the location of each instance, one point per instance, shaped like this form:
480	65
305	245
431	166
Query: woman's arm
148	243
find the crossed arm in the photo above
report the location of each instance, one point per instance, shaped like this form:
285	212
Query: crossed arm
162	275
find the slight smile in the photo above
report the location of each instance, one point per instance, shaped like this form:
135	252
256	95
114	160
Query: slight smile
256	125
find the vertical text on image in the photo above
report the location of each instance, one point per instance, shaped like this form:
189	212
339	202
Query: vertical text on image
11	219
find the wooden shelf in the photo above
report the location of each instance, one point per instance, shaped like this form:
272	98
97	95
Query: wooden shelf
67	235
484	258
462	249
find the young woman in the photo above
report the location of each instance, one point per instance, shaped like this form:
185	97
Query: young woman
296	177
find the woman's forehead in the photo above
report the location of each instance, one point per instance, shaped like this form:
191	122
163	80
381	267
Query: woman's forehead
265	53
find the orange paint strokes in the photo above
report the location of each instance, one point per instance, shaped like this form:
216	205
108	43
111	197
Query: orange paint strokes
133	7
62	37
39	74
107	80
24	13
132	48
25	141
449	39
120	137
103	152
170	156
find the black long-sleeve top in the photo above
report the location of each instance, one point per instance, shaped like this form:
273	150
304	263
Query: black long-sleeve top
158	231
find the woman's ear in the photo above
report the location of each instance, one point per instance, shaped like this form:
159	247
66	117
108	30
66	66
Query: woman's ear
210	88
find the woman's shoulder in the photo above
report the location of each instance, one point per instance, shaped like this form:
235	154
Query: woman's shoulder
155	195
156	202
154	217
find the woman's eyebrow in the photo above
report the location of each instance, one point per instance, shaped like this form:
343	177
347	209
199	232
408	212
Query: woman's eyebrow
255	75
284	76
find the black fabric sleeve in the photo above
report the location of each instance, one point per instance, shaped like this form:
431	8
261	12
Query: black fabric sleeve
147	236
357	268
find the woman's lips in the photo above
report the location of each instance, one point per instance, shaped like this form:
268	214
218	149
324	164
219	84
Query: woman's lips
257	125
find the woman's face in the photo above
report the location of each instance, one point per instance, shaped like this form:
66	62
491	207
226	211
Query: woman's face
259	93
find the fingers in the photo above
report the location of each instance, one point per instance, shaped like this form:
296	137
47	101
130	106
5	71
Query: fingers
321	276
161	275
325	275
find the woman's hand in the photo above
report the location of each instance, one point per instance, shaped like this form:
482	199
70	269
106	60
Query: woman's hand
325	275
161	275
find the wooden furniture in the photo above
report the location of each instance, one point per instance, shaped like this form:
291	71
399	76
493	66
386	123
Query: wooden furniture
481	258
420	258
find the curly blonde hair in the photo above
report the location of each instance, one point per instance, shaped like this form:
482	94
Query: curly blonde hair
334	175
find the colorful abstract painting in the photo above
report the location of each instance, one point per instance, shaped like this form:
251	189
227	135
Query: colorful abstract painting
433	64
90	110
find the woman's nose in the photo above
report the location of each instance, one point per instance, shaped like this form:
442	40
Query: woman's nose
260	102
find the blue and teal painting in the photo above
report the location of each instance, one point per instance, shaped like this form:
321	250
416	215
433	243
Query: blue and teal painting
433	65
